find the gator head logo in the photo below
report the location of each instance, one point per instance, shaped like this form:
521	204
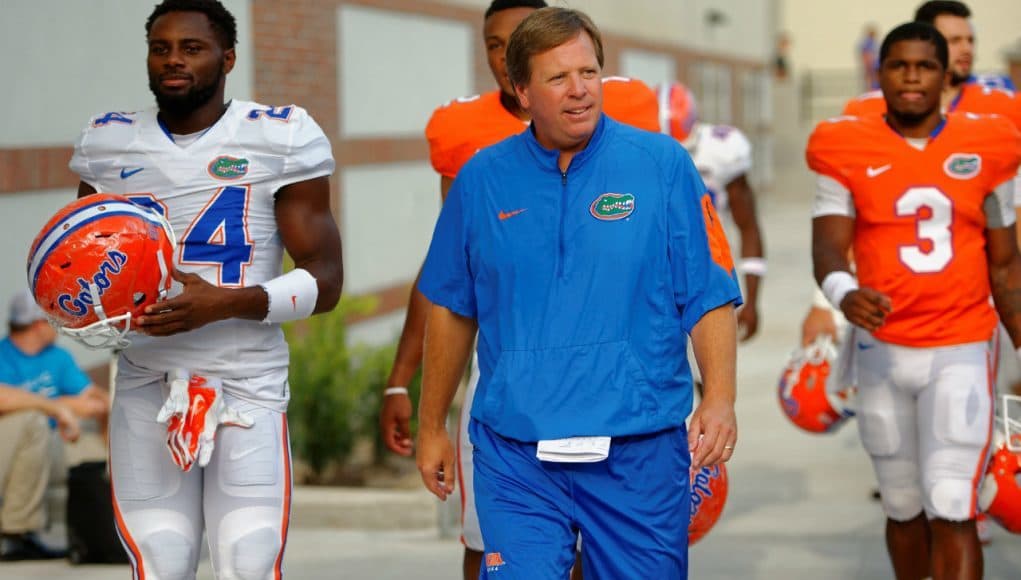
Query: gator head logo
963	165
227	167
612	206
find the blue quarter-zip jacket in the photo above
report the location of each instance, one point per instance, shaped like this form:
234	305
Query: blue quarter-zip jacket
583	299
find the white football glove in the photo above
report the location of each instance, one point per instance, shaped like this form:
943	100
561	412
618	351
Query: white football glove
193	411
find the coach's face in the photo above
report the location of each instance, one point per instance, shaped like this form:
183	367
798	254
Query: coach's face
564	94
187	65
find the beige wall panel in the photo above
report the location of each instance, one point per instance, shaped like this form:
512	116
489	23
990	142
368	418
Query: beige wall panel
389	214
66	60
824	35
387	57
747	30
651	67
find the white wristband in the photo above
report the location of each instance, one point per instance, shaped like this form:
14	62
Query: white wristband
836	285
819	299
291	296
395	391
754	266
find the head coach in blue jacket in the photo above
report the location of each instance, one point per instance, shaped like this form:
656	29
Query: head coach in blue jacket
584	252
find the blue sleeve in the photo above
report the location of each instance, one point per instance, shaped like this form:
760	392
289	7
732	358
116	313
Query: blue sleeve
447	278
700	263
72	380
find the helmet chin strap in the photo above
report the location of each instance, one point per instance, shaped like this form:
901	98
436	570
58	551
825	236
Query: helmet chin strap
97	303
164	276
102	333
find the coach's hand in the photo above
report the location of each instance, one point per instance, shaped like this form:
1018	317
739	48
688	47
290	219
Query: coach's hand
747	322
435	459
712	433
198	304
866	308
395	424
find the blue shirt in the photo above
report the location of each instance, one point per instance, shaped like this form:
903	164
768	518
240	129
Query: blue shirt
51	373
584	283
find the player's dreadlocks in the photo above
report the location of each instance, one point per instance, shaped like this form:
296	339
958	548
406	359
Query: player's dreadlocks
220	18
501	5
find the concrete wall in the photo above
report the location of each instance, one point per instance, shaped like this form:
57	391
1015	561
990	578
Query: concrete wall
681	23
824	34
64	61
370	72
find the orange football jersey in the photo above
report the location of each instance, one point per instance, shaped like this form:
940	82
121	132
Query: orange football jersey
463	126
919	234
974	98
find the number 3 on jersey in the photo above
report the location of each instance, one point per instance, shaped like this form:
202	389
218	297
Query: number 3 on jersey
218	236
933	212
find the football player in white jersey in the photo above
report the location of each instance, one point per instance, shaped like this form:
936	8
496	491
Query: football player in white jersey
240	183
723	156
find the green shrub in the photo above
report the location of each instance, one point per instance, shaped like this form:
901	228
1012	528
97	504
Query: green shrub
336	389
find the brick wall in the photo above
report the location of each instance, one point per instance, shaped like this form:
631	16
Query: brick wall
295	61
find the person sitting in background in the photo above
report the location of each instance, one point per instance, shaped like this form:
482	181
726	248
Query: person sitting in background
31	361
25	469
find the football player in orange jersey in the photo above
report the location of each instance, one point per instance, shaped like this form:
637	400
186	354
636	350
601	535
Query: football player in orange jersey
455	133
960	94
926	202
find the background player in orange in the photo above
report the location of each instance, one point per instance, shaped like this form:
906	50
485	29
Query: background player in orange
960	94
927	204
456	132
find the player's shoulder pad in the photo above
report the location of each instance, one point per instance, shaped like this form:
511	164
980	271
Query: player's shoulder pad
869	95
832	140
726	139
452	115
106	130
727	148
280	128
995	137
988	130
865	103
615	79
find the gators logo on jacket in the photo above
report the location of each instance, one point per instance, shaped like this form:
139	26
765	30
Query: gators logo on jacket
612	206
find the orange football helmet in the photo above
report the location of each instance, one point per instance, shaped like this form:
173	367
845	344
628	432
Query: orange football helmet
1000	492
708	496
677	110
97	263
803	394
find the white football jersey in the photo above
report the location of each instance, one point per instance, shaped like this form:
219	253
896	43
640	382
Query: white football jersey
721	154
218	194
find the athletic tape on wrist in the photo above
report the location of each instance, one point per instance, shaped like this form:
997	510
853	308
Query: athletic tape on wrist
836	286
291	296
754	266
